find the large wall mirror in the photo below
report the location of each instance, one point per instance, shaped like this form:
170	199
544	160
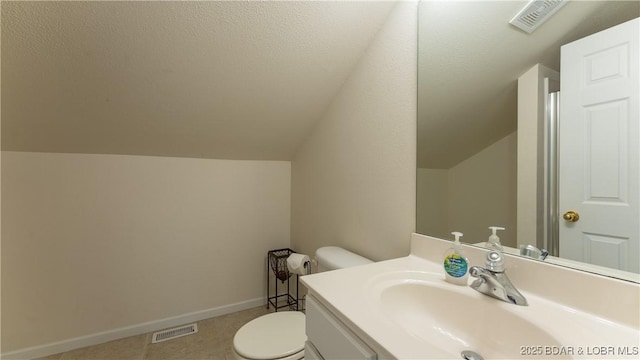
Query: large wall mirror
482	162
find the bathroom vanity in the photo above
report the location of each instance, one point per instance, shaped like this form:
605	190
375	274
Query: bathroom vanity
402	308
330	337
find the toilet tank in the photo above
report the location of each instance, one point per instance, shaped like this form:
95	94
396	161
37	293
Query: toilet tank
334	257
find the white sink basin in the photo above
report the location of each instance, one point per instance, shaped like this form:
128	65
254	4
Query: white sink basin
455	318
404	309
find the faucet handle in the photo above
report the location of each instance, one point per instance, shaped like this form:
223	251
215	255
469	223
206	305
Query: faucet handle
543	254
495	261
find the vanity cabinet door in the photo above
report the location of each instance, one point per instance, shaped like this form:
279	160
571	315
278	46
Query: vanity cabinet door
330	337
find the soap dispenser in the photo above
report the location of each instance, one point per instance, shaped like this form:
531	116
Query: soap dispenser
494	241
456	265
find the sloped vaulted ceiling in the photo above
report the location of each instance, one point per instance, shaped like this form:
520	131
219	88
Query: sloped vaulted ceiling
230	80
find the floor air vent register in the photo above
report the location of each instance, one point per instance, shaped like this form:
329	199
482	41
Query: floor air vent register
174	333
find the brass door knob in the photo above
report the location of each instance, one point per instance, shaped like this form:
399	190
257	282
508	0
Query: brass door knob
571	216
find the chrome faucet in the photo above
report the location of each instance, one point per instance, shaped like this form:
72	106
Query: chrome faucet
493	281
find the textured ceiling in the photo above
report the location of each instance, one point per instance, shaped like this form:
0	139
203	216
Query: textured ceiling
470	59
230	80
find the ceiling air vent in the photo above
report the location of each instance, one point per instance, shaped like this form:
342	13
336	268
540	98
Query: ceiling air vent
535	13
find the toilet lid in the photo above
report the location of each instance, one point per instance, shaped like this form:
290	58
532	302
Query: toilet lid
271	336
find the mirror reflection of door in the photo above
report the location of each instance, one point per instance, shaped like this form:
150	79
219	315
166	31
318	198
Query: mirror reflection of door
599	153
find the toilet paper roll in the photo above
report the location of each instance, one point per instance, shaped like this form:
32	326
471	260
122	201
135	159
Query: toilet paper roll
296	263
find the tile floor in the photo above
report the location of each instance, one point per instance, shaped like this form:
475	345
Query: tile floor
213	341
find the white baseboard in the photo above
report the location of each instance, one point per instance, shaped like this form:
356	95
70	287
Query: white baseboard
143	328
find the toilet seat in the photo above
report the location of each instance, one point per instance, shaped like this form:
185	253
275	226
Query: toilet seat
279	335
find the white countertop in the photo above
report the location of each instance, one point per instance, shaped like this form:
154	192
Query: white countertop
348	293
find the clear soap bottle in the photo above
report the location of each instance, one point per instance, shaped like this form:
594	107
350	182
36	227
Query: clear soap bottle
456	265
494	241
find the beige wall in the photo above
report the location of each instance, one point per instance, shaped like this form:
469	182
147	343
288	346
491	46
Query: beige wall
103	242
353	180
1	265
92	243
471	196
482	193
432	202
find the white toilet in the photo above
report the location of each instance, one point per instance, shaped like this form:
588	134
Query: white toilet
281	335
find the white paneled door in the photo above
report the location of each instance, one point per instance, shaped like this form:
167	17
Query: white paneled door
599	154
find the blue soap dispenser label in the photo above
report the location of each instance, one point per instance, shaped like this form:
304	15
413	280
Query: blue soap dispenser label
455	265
